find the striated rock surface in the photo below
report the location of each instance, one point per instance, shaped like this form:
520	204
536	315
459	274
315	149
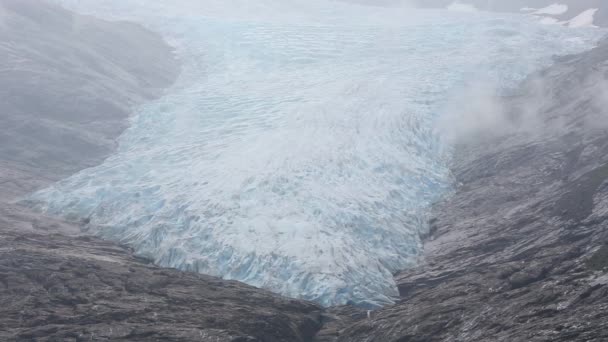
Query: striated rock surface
520	252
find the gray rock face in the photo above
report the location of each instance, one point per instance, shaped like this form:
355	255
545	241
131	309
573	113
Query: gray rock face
520	252
67	86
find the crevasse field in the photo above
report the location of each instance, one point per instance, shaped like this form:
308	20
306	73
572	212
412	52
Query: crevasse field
298	150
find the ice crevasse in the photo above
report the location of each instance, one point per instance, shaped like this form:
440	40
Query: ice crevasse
297	151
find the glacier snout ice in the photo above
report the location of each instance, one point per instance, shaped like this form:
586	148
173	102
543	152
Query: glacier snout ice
297	152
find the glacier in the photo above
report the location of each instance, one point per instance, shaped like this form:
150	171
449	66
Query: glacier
298	151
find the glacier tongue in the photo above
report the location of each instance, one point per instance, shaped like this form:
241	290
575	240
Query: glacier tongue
297	151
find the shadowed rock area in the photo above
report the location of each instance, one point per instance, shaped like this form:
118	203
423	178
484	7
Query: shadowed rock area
520	252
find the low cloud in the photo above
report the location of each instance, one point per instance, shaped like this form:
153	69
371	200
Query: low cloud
574	98
474	111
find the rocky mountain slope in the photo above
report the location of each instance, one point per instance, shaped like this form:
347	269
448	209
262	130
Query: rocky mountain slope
520	252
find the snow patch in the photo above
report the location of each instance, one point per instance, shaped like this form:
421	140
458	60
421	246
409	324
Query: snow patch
546	16
585	19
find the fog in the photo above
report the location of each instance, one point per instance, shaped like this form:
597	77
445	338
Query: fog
536	108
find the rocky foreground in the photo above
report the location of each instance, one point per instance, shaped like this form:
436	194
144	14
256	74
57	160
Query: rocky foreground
518	253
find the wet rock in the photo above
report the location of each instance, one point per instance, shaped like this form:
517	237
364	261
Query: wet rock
575	7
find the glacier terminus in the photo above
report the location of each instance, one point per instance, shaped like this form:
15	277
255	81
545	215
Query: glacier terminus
298	151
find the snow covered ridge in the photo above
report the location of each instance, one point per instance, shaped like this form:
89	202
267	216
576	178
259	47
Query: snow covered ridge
548	15
298	151
574	13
